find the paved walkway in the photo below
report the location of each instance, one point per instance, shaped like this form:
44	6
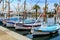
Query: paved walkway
6	34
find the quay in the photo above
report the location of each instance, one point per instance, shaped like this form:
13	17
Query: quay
6	34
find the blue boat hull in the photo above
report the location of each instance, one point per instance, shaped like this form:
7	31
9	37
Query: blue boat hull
45	30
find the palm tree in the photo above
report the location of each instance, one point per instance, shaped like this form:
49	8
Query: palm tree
36	7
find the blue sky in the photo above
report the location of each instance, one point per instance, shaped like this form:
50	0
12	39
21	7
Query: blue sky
33	2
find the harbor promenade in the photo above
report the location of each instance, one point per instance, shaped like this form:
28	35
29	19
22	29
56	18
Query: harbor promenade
6	34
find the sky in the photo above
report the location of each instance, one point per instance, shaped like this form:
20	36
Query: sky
31	3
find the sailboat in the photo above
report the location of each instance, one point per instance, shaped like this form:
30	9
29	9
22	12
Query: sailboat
27	23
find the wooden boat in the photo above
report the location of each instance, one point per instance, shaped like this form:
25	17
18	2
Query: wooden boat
26	25
44	30
9	21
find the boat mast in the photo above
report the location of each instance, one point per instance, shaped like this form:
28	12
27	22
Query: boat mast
24	14
18	9
3	9
9	8
8	13
45	11
45	6
3	6
25	5
25	8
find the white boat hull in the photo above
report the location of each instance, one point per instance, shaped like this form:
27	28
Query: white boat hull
9	25
18	27
30	25
40	33
4	23
26	26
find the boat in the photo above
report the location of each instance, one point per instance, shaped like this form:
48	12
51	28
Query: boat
45	30
9	21
27	24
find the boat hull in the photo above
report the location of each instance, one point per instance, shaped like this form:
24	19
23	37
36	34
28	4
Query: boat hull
26	26
44	33
10	24
30	25
4	22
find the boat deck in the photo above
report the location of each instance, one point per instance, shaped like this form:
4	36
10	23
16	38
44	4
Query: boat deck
6	34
